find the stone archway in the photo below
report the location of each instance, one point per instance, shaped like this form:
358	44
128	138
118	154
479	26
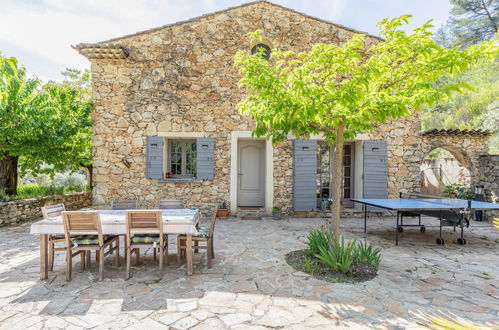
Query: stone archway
465	145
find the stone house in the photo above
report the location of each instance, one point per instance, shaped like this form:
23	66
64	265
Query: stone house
166	126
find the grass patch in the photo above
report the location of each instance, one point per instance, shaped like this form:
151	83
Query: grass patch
34	190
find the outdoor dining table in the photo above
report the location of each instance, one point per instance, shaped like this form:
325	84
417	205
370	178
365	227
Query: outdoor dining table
175	221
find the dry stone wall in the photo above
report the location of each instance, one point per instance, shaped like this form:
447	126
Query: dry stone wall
489	177
30	209
180	78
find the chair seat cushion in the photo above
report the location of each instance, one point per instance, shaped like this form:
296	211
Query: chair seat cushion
145	239
88	239
203	232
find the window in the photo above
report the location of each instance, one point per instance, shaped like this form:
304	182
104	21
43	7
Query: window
262	47
182	158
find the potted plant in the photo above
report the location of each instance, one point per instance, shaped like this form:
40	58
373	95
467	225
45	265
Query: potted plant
330	204
276	213
223	210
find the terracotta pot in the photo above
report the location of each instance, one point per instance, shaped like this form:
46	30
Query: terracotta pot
223	213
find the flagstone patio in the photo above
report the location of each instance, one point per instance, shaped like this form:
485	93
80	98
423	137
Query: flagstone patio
250	286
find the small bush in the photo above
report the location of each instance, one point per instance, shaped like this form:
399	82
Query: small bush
67	179
316	240
326	255
366	253
457	190
338	256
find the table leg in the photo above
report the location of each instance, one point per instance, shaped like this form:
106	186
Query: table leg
365	218
44	242
188	254
397	230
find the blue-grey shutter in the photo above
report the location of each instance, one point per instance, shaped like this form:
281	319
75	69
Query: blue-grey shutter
154	157
205	154
375	176
305	175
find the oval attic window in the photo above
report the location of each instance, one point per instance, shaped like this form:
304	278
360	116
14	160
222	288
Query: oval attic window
265	48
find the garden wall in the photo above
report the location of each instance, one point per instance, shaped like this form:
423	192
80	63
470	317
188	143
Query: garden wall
30	209
489	177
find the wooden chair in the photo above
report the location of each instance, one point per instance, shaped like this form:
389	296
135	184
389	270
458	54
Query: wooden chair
144	229
124	205
171	204
204	235
52	211
83	234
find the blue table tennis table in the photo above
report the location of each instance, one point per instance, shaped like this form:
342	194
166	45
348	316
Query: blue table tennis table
449	211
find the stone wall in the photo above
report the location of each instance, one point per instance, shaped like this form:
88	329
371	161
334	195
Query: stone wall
180	79
30	209
489	177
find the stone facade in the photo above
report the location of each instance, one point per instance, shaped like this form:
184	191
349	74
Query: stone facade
489	177
180	79
30	209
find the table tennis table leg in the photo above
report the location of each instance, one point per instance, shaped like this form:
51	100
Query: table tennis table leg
365	218
397	230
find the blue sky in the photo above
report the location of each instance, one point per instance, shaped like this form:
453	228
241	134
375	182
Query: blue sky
40	32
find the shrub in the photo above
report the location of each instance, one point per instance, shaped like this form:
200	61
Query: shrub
311	265
366	253
351	258
338	256
457	190
68	179
316	240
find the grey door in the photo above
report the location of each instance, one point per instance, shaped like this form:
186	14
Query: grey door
251	173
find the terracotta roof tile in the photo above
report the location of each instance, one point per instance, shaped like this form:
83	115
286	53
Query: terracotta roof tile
455	131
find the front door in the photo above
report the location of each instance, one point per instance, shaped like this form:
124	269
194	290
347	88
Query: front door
251	173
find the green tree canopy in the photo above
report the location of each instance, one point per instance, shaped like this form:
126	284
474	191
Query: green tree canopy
343	90
470	22
47	124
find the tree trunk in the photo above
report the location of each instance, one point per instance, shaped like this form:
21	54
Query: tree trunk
8	174
337	179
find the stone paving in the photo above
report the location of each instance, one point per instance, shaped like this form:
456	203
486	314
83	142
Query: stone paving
250	286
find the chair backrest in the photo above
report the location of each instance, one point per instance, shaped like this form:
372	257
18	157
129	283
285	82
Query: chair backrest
171	204
124	204
213	221
82	222
144	221
51	211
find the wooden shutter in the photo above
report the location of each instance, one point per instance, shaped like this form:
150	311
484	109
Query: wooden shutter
375	176
154	157
205	148
305	175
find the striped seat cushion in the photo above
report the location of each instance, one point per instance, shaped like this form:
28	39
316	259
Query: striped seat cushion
145	239
203	232
87	240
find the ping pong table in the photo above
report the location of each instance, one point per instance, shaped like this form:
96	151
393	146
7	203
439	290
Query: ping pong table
449	211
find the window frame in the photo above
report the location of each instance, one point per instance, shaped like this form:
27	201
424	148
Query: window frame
183	154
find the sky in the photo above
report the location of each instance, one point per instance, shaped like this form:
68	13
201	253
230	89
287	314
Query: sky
39	33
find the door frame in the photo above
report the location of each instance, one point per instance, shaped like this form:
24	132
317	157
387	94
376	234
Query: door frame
261	147
235	136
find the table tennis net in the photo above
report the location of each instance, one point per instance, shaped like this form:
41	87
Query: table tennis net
444	201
